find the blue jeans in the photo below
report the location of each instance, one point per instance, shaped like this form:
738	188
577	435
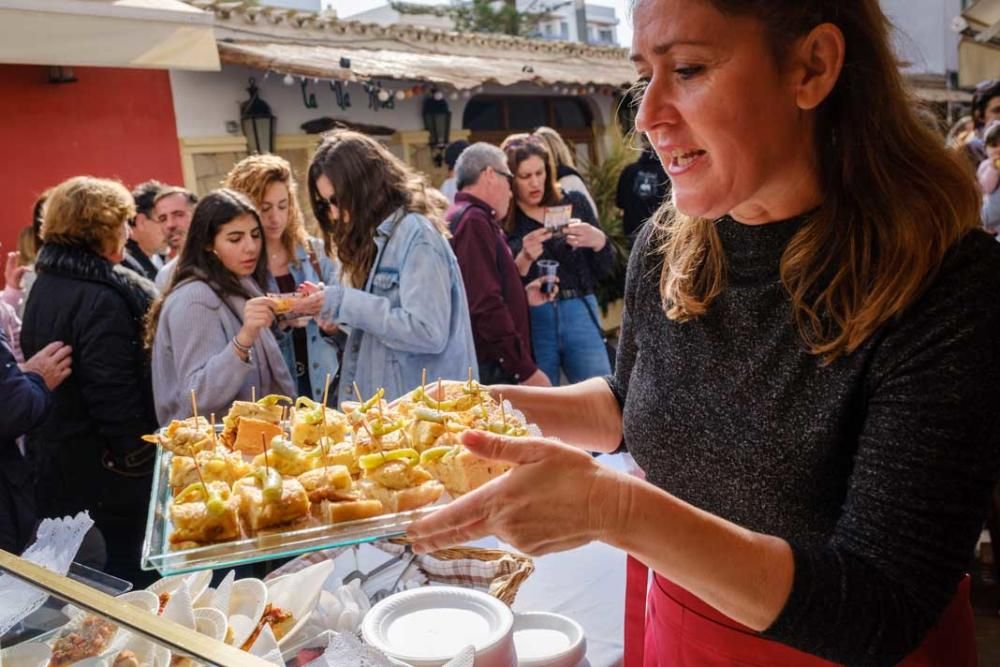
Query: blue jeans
564	336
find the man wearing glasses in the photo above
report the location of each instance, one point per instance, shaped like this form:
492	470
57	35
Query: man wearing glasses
498	302
146	235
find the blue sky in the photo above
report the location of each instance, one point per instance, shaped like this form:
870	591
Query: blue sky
347	7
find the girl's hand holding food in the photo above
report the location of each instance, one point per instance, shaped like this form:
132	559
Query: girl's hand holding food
257	314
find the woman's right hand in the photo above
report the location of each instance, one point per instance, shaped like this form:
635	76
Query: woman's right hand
257	315
532	248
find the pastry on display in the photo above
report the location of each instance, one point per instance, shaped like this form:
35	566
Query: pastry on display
204	513
184	437
219	465
267	501
310	422
247	421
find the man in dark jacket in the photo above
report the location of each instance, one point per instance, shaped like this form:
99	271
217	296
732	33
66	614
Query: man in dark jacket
146	234
498	305
642	187
27	394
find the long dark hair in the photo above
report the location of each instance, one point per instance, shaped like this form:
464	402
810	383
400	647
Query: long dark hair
895	199
370	183
520	147
197	261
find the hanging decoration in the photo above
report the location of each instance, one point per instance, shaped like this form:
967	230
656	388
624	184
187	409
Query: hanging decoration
340	92
308	99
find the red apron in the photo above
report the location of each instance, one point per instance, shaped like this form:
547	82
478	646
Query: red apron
672	628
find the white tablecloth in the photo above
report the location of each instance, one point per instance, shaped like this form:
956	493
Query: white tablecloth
586	584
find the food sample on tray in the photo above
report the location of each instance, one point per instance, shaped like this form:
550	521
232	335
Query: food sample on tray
185	437
248	420
332	483
394	479
267	500
219	465
204	515
309	423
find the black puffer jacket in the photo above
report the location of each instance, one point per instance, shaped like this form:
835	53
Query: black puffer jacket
26	402
89	453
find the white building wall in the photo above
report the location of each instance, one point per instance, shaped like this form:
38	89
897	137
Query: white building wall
301	5
205	101
923	33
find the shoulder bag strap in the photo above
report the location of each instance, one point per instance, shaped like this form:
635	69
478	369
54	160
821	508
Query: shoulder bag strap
314	259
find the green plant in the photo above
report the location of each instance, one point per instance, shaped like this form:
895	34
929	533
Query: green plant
602	179
487	15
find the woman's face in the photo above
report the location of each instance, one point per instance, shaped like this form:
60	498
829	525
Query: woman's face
274	211
719	113
238	244
529	181
325	189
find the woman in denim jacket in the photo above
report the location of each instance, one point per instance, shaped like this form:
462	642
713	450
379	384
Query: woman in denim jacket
293	258
401	293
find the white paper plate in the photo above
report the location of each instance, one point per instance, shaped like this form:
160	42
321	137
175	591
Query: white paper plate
543	639
426	627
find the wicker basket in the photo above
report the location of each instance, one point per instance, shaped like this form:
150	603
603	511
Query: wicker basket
498	572
511	570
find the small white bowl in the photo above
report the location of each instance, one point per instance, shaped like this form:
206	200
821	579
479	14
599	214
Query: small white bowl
427	627
543	639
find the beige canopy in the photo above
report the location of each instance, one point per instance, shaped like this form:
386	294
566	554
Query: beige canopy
158	34
460	71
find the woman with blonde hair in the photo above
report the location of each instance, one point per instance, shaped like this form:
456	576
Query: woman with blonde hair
568	177
401	293
89	453
808	371
293	258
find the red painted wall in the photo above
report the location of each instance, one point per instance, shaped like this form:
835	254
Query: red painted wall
112	123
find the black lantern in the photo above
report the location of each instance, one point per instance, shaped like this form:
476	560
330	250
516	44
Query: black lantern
437	122
257	121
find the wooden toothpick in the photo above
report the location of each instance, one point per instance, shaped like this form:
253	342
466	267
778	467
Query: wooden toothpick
263	441
253	393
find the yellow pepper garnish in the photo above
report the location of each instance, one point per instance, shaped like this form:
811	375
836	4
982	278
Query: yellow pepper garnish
372	461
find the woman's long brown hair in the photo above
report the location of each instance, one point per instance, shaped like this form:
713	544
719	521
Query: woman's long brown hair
519	147
895	199
370	184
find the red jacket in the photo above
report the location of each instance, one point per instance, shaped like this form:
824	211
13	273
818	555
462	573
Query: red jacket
498	306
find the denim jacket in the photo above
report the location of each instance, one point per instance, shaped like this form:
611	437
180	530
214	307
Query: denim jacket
322	349
412	314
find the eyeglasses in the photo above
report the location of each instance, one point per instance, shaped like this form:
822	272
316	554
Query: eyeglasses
328	201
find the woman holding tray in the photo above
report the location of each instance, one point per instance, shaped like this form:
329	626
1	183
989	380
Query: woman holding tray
401	294
213	329
293	258
808	371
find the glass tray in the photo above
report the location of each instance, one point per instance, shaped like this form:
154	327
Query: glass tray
266	545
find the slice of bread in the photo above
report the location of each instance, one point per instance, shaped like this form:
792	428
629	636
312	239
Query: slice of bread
248	435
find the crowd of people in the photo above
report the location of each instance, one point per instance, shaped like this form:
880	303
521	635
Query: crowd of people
977	138
121	303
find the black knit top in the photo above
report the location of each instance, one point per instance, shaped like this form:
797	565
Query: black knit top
877	468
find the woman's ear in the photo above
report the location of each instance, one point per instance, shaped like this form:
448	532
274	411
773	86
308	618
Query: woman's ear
818	60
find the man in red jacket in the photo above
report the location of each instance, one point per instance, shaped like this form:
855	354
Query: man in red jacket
498	302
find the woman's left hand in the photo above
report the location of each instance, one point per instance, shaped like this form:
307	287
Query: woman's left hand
556	497
584	235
